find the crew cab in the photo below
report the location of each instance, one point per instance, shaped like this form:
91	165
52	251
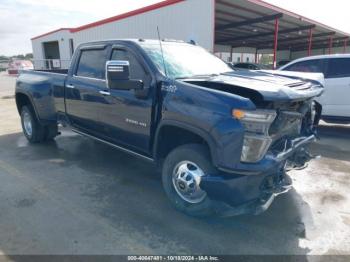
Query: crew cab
223	139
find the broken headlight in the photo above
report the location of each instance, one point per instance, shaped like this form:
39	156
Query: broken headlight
256	138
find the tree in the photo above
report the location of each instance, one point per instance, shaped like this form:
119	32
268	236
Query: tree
3	58
28	56
18	56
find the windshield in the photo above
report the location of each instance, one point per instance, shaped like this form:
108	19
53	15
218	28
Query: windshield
185	60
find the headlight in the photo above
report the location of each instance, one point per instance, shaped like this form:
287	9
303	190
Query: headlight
256	139
260	116
254	147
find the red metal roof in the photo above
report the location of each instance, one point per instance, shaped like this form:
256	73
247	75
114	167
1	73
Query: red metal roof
295	15
251	23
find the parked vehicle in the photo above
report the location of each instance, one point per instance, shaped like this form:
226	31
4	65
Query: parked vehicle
15	66
224	139
336	69
248	66
282	63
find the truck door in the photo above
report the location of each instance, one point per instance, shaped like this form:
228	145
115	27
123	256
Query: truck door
83	98
126	115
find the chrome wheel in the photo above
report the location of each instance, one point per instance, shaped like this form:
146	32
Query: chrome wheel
186	179
27	124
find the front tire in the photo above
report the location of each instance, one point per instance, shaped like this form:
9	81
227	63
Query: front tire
32	129
181	175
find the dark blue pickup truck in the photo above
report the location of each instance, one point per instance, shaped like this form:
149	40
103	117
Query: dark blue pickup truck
224	139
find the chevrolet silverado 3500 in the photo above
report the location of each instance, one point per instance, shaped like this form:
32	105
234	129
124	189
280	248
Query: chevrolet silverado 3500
224	139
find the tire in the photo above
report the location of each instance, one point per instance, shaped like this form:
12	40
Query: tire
194	157
32	129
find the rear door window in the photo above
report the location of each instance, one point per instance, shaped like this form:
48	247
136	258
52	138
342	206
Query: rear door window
309	66
338	67
92	63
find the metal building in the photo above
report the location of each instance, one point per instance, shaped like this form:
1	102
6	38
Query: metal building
221	26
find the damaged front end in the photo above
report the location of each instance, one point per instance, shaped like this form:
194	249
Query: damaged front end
282	132
275	141
274	134
292	131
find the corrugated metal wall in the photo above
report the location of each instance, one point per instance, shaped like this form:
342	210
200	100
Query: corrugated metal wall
188	20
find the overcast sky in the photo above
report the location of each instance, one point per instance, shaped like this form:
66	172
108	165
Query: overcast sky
20	20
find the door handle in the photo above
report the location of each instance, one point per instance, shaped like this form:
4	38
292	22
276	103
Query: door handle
70	86
105	93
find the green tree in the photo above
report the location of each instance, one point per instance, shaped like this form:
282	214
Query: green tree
28	56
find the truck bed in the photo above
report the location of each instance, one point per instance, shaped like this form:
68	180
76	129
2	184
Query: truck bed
56	71
46	88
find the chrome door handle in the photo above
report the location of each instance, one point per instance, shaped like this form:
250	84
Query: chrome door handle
105	93
70	86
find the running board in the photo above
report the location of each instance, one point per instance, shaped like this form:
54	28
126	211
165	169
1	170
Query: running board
115	146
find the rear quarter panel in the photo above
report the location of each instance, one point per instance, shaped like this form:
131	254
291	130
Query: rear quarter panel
45	90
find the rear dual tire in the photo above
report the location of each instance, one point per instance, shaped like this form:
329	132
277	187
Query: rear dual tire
33	130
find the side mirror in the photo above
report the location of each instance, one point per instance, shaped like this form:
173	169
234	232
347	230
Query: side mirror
118	76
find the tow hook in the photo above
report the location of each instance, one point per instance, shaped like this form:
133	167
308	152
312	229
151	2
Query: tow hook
277	184
300	160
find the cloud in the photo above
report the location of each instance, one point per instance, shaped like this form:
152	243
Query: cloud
20	20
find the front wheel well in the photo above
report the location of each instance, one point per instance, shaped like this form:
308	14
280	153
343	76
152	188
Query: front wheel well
171	137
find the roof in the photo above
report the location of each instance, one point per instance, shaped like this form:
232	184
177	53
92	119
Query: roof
52	32
313	58
321	57
251	23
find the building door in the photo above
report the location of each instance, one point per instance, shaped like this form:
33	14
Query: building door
51	52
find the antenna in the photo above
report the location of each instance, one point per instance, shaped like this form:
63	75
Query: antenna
161	49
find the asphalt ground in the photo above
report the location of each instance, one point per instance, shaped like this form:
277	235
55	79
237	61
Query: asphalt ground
77	196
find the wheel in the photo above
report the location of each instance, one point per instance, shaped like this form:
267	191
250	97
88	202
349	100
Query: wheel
33	131
181	175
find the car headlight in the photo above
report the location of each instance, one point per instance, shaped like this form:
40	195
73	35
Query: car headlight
254	147
256	139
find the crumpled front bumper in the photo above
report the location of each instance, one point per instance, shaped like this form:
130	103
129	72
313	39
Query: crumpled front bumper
257	206
254	187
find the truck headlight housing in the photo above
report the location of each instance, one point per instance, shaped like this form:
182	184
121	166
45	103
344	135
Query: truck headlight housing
256	138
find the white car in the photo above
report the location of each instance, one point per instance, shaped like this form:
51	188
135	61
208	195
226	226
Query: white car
335	100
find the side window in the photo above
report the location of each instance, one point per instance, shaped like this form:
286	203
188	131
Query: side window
309	66
136	69
338	67
92	63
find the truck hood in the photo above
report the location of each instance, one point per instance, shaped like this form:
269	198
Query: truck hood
273	85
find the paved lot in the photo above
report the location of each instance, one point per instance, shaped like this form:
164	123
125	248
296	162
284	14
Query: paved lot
76	196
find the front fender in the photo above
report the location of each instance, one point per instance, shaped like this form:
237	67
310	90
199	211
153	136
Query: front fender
206	136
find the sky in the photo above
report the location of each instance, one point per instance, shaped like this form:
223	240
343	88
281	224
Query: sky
20	20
